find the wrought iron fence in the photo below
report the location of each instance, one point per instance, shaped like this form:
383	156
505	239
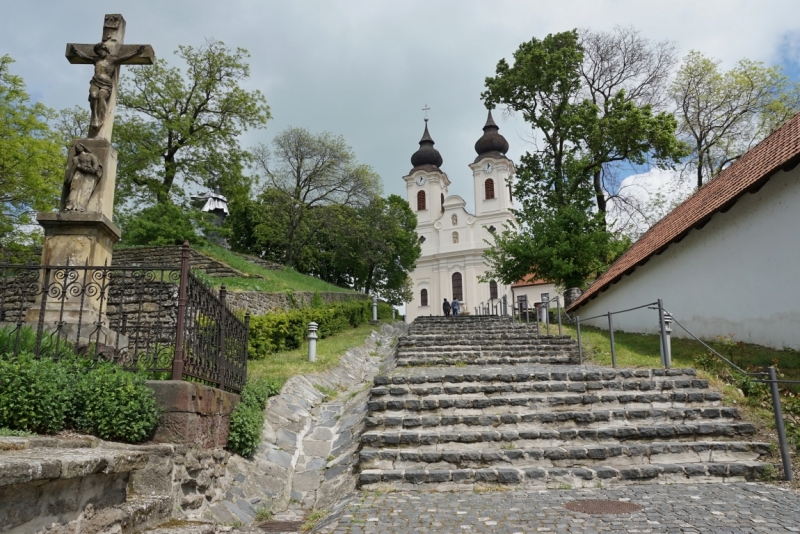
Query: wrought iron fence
151	318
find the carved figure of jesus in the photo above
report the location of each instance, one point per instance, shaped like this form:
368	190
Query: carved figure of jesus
86	172
102	83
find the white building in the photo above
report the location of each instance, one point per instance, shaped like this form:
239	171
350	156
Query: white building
725	262
453	240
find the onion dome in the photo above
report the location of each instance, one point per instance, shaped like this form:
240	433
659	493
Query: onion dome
426	155
491	142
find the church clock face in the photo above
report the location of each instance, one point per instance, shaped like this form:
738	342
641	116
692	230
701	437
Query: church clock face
420	180
487	168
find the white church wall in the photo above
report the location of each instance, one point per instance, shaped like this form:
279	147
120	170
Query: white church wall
735	276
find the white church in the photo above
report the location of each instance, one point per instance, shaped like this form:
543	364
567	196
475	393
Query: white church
453	239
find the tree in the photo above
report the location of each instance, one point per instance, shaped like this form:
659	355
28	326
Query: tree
313	171
723	114
180	128
162	224
562	236
31	161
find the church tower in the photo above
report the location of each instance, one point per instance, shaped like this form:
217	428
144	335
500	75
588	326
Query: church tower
492	171
426	184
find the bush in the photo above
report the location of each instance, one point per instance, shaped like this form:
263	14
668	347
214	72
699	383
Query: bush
35	395
162	224
247	419
288	330
115	404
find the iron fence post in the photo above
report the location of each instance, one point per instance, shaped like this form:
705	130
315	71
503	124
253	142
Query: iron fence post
613	349
223	294
776	407
177	359
546	308
667	340
580	347
663	333
247	338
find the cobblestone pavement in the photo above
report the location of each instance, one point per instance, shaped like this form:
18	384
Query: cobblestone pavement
702	508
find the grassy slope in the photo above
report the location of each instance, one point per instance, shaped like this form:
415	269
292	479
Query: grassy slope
272	282
283	365
639	350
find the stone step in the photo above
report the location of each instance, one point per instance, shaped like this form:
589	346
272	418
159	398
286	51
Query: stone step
562	478
551	402
476	359
528	373
487	335
489	388
532	436
566	419
567	456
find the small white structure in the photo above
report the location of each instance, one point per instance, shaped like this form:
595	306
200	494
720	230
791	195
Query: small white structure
533	289
453	240
725	262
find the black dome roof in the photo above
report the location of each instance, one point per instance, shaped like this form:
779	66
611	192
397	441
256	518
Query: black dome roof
491	140
426	155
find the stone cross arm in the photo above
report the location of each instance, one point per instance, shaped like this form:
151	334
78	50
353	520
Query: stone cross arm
146	57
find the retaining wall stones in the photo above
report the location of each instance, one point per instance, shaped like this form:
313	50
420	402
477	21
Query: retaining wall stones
309	452
258	303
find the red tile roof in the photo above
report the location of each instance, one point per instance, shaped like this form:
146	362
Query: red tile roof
528	280
779	151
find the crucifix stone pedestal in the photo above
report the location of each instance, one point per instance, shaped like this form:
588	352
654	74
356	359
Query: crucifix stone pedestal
81	232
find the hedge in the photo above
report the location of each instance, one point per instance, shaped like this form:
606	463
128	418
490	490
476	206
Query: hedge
288	330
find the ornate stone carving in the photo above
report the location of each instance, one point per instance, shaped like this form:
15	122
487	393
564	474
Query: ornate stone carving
454	219
83	175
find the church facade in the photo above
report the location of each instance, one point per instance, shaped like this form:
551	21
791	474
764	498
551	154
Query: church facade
453	239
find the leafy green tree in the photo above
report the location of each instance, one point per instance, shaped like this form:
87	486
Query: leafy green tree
723	114
162	224
31	163
179	128
561	234
313	171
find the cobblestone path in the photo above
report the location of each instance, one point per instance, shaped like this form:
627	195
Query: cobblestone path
705	508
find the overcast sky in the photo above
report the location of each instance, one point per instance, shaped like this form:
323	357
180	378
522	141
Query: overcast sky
364	69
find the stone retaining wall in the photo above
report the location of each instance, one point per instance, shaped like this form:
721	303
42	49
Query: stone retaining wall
258	303
171	256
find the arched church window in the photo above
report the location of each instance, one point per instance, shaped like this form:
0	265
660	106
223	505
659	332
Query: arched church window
489	187
457	291
423	297
442	201
454	219
493	290
421	201
455	237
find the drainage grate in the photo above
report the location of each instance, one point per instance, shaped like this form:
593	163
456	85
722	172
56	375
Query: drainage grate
601	506
280	526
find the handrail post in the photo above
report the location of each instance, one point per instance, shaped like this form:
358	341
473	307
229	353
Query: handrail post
177	359
546	315
776	407
611	335
580	347
558	307
668	340
663	333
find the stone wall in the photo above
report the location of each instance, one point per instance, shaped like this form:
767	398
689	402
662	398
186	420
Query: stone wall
258	303
171	256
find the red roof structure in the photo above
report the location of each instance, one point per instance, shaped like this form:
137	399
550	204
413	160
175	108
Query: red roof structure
780	151
528	280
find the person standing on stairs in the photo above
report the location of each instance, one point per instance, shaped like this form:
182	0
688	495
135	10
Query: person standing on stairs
446	308
456	307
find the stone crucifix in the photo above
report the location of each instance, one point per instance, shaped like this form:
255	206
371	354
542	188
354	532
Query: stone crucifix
107	56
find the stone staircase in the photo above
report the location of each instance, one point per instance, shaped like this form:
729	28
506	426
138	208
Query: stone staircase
497	405
480	341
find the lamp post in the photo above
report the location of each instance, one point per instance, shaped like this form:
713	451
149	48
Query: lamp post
312	341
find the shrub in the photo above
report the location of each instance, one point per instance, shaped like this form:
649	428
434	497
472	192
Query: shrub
115	404
35	395
247	419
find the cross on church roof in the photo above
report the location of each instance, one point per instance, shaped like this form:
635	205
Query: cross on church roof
426	109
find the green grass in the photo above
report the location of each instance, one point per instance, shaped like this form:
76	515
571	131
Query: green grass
283	365
642	350
270	281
